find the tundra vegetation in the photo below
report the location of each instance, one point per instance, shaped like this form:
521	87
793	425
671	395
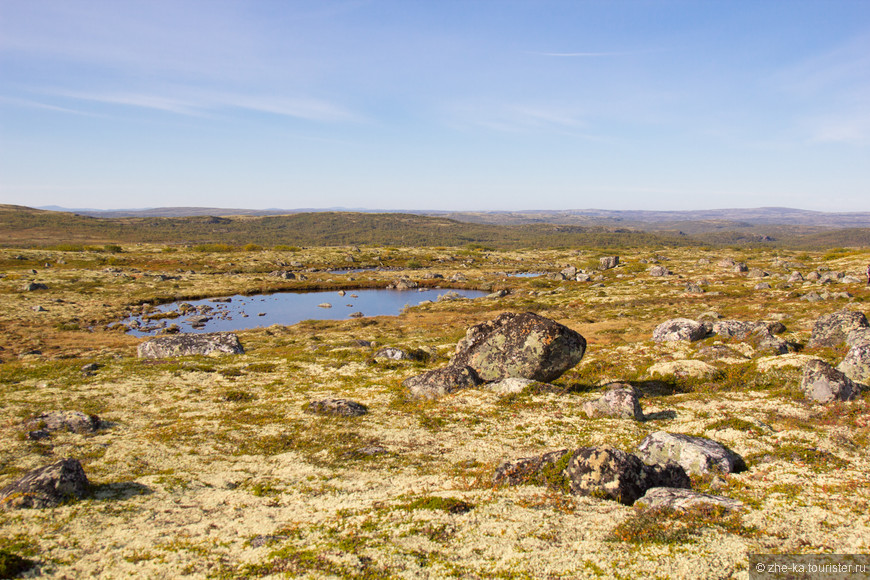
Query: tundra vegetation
212	466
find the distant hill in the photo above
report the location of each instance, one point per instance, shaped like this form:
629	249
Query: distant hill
639	219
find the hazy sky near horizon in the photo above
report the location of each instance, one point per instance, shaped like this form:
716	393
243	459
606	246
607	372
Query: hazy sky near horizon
436	104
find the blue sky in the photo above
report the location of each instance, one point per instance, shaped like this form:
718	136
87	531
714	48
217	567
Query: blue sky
438	104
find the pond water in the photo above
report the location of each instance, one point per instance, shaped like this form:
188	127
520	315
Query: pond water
525	274
241	312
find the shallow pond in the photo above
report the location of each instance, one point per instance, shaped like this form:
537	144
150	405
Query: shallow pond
242	312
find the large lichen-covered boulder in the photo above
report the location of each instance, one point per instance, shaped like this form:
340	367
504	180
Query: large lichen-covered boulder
831	330
521	345
822	383
856	365
610	473
679	329
47	486
439	382
679	499
697	455
190	344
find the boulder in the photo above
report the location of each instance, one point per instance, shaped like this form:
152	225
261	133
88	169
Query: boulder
757	273
823	383
856	365
440	382
33	286
619	401
608	262
339	407
72	421
569	272
521	345
659	271
795	277
831	330
526	469
47	486
697	455
679	329
680	499
190	344
611	473
858	336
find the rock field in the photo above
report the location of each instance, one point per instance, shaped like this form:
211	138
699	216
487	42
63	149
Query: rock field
658	413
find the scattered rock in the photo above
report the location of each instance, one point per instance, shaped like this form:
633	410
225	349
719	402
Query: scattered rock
659	271
831	330
33	286
608	262
190	344
610	473
340	407
73	421
439	382
392	353
681	499
324	305
619	401
697	455
823	383
47	486
519	345
356	315
679	329
856	364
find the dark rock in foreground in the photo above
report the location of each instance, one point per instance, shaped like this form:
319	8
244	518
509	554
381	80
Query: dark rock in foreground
47	486
609	473
519	345
190	344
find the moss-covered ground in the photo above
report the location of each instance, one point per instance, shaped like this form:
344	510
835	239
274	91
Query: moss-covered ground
208	467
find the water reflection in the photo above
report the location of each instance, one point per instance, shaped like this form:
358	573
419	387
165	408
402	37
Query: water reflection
241	312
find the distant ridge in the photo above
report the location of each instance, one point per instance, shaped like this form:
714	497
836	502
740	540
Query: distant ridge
666	219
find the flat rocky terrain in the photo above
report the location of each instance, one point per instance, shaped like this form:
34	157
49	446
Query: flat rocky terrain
218	466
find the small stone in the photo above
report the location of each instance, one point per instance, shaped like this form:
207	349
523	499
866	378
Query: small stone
439	382
339	407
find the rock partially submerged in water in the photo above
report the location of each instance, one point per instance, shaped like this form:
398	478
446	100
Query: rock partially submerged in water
190	344
47	486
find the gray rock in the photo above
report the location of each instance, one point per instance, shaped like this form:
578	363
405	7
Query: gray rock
680	499
697	455
569	272
190	344
659	271
679	329
740	267
610	473
831	330
519	345
33	286
856	365
608	262
46	487
823	383
858	336
620	401
693	288
439	382
392	353
340	407
812	297
526	469
761	286
73	421
795	277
